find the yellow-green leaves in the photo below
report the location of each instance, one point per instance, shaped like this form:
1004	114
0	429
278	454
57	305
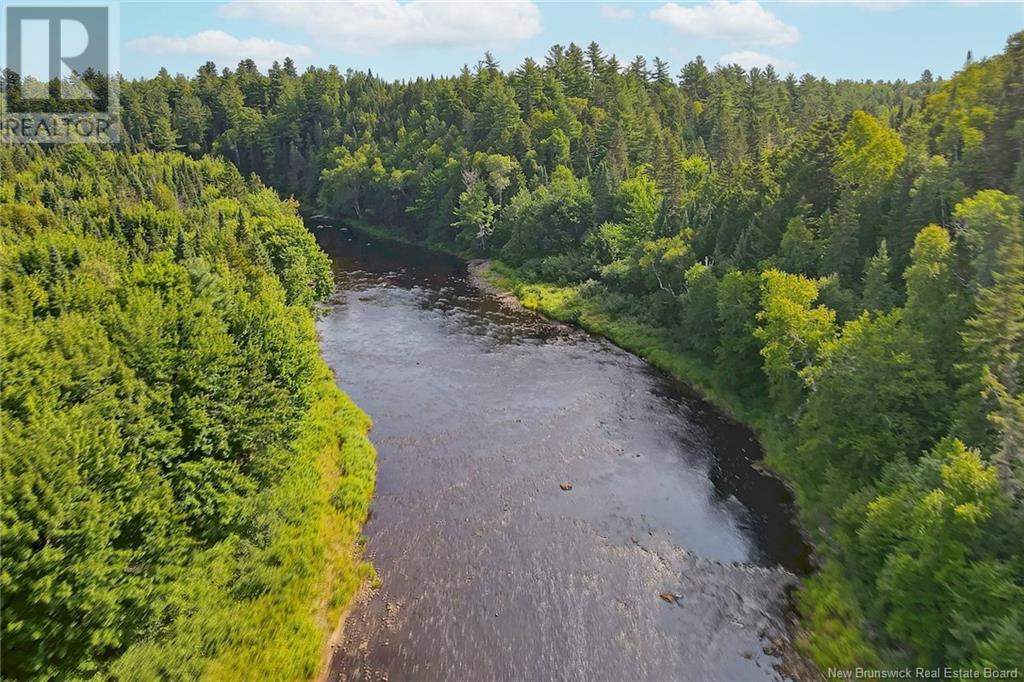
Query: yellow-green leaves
989	220
869	154
923	541
791	329
159	369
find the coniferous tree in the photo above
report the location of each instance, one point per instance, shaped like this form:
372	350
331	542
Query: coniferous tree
879	293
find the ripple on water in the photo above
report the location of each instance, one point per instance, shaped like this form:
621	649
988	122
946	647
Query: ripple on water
664	557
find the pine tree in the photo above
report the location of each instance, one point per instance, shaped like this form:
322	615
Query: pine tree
994	342
241	231
842	238
661	73
879	294
595	59
181	248
934	304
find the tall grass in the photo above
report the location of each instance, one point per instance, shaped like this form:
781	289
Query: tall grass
833	629
265	611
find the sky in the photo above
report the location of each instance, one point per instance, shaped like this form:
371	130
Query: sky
880	40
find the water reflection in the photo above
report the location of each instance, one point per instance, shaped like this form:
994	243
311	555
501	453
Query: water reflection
659	562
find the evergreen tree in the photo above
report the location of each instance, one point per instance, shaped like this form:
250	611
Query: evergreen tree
799	251
879	294
934	305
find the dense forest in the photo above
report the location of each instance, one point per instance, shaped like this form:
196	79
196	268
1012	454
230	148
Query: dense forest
183	483
840	262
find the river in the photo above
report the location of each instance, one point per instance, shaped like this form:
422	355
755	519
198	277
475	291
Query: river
548	506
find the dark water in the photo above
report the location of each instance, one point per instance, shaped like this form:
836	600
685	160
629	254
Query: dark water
490	570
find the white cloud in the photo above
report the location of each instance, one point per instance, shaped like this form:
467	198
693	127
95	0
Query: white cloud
883	5
743	22
218	45
749	59
615	13
367	25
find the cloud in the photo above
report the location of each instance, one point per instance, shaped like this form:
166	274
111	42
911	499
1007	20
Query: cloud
749	59
743	22
882	5
218	45
615	13
368	25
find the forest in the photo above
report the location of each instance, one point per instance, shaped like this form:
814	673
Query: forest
183	483
841	264
843	260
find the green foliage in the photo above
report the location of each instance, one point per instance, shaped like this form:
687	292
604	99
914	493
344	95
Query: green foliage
700	309
791	331
664	261
842	299
609	185
879	293
549	220
475	214
637	203
351	176
167	461
994	345
738	356
829	605
934	302
868	155
943	589
799	250
874	397
841	253
989	220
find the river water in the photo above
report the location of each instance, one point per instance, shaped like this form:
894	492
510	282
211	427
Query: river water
669	557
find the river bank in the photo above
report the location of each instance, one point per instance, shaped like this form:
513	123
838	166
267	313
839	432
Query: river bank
548	504
823	625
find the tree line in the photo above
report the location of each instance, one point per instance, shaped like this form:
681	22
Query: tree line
181	477
845	258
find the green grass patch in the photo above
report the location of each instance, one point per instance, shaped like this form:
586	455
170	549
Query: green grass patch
833	632
654	344
266	612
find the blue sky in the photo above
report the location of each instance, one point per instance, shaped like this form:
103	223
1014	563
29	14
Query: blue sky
862	40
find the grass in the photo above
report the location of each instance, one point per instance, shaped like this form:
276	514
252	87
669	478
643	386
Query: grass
832	631
266	611
653	344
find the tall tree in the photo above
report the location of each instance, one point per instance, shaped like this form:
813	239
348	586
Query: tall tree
791	330
934	302
879	293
